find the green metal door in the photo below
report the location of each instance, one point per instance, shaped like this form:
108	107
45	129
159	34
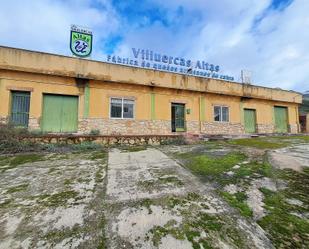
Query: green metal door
20	108
250	120
178	117
60	113
281	119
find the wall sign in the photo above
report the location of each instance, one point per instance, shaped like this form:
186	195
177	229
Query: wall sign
80	41
148	59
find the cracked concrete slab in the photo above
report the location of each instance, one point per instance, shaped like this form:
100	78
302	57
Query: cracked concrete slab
143	207
295	157
52	203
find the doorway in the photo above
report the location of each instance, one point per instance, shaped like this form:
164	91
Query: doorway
178	117
60	113
281	119
250	120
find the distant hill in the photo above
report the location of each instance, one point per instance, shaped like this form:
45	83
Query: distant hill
304	108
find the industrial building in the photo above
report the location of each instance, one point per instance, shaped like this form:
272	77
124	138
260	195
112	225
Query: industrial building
61	94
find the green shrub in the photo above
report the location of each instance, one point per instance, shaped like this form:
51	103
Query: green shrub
10	139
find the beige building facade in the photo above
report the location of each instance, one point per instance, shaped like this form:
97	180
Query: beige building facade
59	94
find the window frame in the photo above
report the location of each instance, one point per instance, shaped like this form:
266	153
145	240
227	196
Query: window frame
122	100
221	113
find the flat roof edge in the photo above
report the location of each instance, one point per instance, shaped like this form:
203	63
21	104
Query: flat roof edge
14	68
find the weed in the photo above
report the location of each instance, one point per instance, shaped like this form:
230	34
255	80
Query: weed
5	203
146	203
12	162
164	180
212	166
260	143
84	146
98	176
252	168
193	196
52	170
287	230
59	235
58	199
28	158
4	160
17	188
238	201
133	148
191	230
102	241
179	140
67	182
98	155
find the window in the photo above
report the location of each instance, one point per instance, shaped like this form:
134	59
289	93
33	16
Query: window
221	113
122	108
20	108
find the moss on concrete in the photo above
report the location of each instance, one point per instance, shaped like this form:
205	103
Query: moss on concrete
18	188
238	201
284	222
160	182
213	167
260	143
58	199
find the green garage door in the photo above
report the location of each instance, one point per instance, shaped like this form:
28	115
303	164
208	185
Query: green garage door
60	113
281	119
250	120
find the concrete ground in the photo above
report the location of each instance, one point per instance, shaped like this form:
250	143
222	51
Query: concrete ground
175	199
295	157
148	198
52	201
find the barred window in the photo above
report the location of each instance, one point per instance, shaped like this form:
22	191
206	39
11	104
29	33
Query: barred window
221	113
122	108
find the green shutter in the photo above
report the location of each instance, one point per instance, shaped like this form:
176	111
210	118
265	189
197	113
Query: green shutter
281	119
60	113
20	108
250	120
153	106
202	108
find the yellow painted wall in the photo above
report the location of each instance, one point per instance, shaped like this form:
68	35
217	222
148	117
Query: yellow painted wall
46	73
38	84
101	92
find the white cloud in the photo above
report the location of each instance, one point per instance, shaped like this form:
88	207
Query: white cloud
45	25
243	34
229	34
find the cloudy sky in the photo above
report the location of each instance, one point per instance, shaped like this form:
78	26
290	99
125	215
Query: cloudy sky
268	37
